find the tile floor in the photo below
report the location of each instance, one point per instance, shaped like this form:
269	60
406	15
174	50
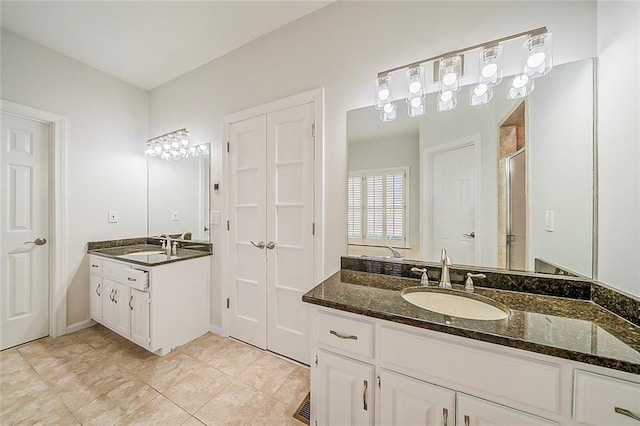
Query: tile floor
95	377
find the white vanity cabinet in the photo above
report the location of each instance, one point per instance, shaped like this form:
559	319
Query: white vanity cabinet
427	378
157	307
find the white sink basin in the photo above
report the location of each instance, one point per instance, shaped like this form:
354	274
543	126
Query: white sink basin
456	303
145	253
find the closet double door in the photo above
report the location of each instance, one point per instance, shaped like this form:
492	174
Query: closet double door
271	230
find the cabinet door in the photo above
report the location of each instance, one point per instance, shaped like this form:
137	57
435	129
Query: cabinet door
122	323
475	412
346	396
95	298
407	401
108	307
139	307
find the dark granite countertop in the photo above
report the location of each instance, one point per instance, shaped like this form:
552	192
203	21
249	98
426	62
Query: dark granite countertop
126	252
578	330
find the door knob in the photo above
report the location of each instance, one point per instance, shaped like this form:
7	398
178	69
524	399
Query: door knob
271	245
260	245
37	241
471	235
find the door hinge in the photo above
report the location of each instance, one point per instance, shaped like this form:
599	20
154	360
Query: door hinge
313	130
313	228
227	146
227	303
227	225
316	359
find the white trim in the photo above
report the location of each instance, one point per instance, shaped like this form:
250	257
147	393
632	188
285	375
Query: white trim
317	97
217	330
474	140
58	238
80	325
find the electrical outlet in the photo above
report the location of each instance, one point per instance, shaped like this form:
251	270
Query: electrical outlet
175	216
112	216
548	220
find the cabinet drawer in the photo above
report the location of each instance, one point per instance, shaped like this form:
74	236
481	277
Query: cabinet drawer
509	379
345	334
95	265
125	274
596	397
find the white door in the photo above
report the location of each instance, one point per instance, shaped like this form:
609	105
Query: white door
122	312
290	213
405	401
139	307
95	297
517	211
109	312
473	411
24	217
347	394
247	232
453	195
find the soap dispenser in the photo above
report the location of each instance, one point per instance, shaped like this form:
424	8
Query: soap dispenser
174	249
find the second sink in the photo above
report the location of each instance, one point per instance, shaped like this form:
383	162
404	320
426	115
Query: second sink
456	303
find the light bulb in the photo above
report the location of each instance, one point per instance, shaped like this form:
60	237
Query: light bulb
158	149
489	70
175	144
480	89
166	146
449	78
388	108
192	150
520	81
184	142
383	94
416	102
202	148
446	96
536	59
415	87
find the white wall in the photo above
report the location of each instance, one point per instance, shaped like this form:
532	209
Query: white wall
341	48
560	165
105	169
619	145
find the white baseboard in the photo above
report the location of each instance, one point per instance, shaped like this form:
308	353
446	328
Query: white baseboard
215	329
80	325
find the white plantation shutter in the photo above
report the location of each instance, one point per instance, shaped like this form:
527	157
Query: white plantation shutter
377	207
354	210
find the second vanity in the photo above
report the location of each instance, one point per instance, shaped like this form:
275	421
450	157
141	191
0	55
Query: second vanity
158	301
381	360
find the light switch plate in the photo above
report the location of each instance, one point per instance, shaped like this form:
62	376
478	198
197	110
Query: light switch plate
548	220
175	216
112	216
214	217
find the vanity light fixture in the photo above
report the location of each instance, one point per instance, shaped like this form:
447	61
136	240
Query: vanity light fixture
449	75
173	146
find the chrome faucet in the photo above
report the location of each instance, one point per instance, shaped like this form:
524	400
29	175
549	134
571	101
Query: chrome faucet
396	253
168	241
445	280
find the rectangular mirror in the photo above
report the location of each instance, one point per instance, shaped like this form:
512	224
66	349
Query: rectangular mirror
178	197
508	184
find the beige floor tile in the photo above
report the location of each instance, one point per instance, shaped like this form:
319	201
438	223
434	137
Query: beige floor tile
159	411
232	357
117	404
267	373
192	422
281	415
295	388
169	370
197	388
19	388
11	360
47	409
236	405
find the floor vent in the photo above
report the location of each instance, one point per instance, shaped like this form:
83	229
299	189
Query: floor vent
303	413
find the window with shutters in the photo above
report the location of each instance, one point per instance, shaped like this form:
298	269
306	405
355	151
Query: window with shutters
377	207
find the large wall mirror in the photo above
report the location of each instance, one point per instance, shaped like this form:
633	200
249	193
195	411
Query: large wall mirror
508	185
178	197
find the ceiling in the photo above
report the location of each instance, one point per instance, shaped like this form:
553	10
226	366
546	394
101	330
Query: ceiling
148	43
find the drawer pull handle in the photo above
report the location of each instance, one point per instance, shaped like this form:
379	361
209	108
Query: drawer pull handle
98	289
364	395
115	297
626	413
131	301
343	336
467	421
131	279
111	295
445	416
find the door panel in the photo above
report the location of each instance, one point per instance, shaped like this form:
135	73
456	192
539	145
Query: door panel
517	212
290	213
453	190
139	307
24	164
247	214
473	411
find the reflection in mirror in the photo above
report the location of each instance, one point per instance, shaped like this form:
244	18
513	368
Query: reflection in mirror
506	185
178	197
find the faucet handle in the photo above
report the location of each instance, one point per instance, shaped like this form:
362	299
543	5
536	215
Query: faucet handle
468	284
424	279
